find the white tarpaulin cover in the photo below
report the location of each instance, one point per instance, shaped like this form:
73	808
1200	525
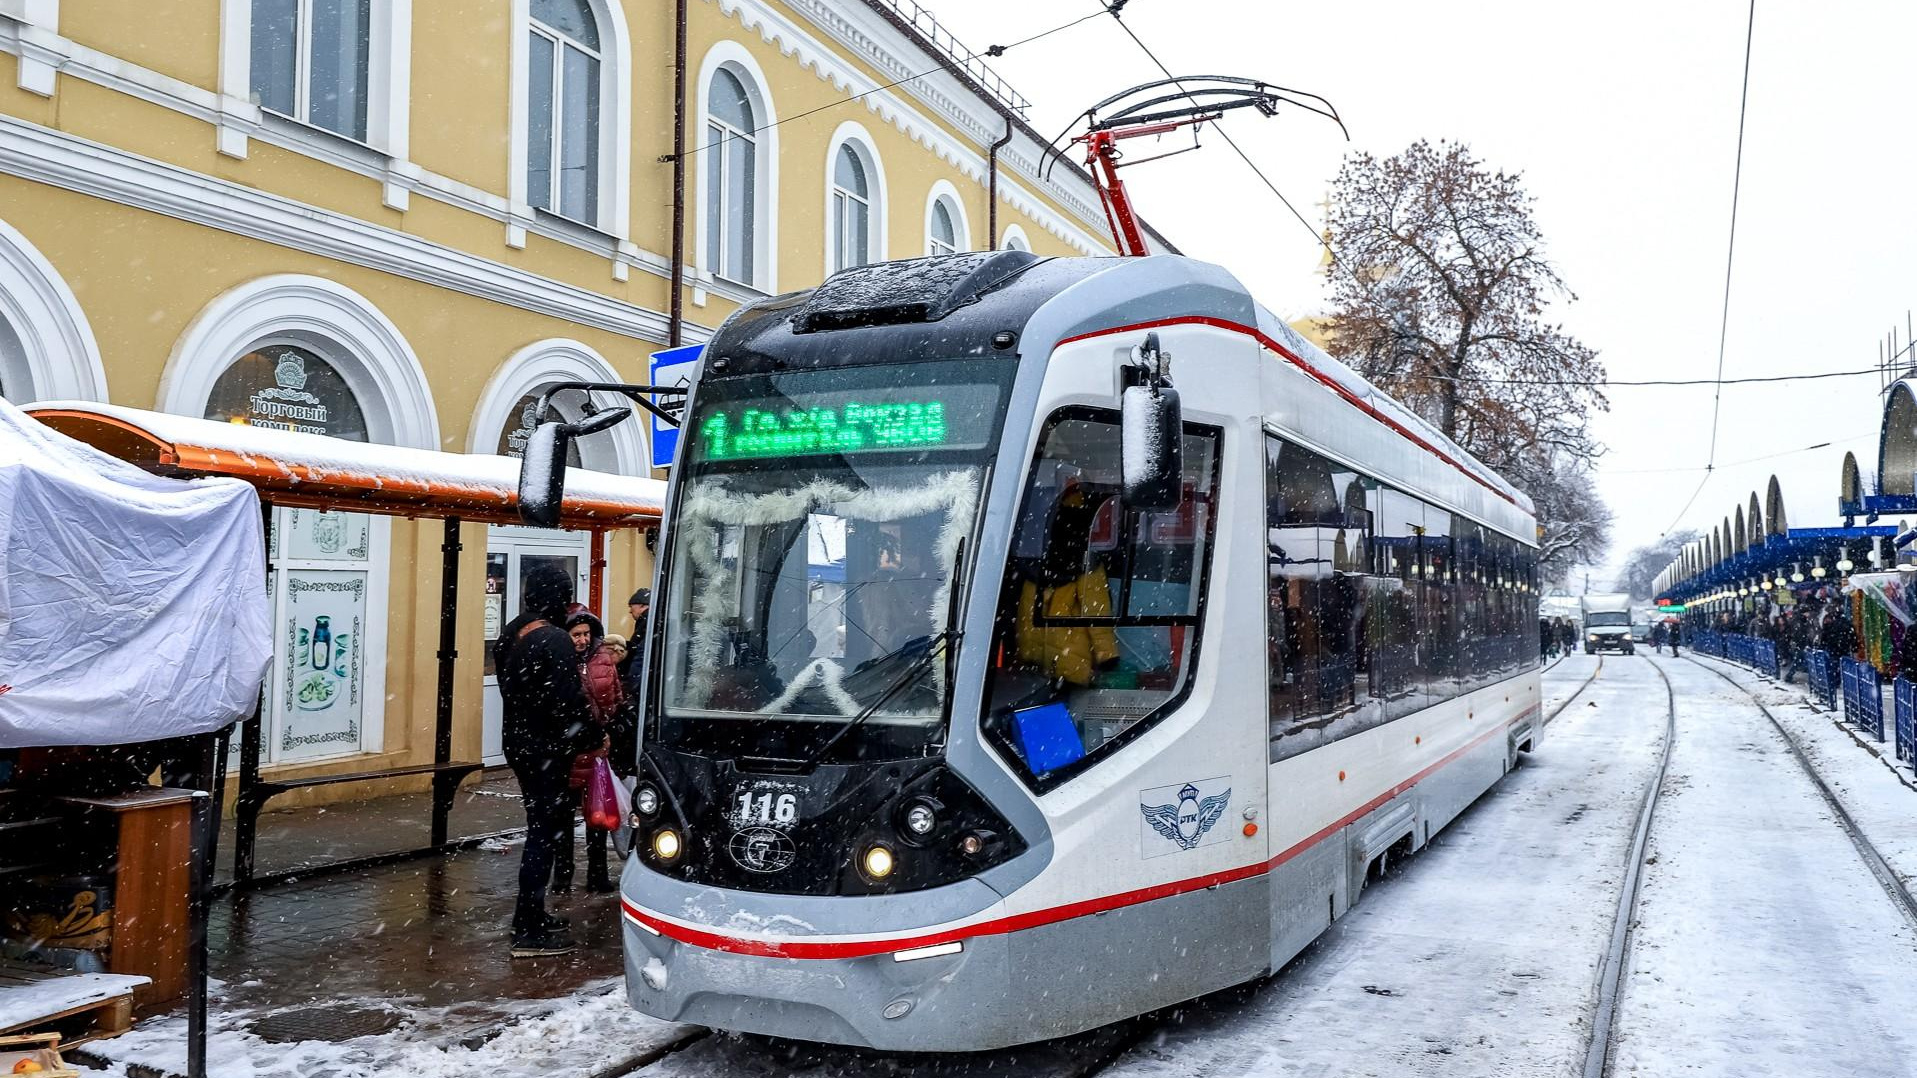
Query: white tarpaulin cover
132	607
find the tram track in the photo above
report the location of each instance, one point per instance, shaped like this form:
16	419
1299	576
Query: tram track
1597	1056
1566	702
1894	888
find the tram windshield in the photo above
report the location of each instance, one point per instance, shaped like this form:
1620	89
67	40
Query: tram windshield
818	536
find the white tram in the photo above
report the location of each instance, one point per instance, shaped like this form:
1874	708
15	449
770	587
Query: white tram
982	708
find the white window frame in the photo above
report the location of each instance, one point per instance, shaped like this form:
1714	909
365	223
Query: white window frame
389	81
737	61
1014	233
860	140
560	42
943	193
614	212
717	135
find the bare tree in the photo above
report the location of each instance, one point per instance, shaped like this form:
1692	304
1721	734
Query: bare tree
1642	565
1440	297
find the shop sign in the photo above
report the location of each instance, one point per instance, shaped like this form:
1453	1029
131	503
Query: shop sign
321	625
287	405
324	535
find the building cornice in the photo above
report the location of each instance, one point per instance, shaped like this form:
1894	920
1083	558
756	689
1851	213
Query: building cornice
43	155
863	33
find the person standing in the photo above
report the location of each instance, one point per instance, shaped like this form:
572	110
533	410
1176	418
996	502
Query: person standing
1658	633
1568	635
547	722
1676	634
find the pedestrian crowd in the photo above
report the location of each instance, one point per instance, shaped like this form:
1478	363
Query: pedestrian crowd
570	693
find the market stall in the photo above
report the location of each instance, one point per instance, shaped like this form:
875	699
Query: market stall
133	635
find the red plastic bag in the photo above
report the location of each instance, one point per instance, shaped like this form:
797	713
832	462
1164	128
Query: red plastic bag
600	805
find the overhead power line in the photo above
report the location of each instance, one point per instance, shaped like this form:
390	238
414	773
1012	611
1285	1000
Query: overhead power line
1612	383
1317	237
1730	255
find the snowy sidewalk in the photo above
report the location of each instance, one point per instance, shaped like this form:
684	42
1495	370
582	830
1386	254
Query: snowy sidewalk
1762	944
1877	792
401	969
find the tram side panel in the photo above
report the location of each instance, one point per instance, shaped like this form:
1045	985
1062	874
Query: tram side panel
1162	846
1396	760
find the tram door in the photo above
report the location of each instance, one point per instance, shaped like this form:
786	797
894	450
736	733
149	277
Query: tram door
512	553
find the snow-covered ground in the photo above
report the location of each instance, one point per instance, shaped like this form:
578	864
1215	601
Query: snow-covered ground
1879	793
1479	957
1763	945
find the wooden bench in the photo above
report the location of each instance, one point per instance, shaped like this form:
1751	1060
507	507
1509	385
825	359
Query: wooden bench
80	1006
252	799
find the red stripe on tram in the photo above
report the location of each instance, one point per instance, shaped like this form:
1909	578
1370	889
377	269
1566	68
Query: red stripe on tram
1297	361
801	948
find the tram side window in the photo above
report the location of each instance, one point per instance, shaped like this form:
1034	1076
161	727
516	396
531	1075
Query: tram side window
1318	542
1098	623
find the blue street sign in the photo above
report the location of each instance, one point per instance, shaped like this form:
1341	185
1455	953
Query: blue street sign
672	367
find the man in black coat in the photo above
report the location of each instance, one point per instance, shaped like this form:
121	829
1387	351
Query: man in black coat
547	722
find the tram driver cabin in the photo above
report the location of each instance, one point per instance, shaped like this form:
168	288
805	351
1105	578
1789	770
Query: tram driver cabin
1029	624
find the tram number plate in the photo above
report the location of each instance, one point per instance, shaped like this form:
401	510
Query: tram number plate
760	805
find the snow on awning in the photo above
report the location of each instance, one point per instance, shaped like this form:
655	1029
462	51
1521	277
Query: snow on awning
315	471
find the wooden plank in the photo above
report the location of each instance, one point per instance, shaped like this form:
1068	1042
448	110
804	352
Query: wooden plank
39	998
151	883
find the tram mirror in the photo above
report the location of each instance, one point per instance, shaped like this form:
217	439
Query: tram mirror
1152	463
542	467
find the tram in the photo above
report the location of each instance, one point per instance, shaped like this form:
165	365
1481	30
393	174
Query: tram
1043	642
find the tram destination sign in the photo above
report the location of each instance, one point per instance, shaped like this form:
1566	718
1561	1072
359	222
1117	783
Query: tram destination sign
846	423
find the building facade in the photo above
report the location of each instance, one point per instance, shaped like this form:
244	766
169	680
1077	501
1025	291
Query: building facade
397	222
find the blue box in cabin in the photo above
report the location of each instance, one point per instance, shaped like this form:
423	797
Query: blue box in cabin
1047	737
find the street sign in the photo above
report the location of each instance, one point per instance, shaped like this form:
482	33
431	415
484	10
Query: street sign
672	367
1670	608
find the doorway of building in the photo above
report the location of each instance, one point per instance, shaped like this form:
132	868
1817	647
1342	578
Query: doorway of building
512	553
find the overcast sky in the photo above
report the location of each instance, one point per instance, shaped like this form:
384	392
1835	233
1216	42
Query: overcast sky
1622	116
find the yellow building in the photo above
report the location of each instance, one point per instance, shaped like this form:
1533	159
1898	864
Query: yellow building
396	222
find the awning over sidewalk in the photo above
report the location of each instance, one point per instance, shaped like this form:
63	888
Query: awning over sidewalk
313	471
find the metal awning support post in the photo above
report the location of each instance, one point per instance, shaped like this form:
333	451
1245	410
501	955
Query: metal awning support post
211	777
596	578
245	812
445	783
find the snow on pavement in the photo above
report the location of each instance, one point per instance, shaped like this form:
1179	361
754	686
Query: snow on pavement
591	1031
1880	797
1480	956
1763	945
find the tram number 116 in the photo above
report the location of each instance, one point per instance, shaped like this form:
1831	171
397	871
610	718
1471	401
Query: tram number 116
766	807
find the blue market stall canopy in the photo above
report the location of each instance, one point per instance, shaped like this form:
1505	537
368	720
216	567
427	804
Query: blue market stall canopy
132	606
1755	548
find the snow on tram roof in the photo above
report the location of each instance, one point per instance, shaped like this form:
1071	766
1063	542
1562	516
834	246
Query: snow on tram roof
316	458
1358	387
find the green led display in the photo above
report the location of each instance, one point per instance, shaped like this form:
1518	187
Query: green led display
854	427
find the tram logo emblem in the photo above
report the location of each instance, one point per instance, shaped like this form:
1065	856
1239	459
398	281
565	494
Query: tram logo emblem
1182	817
762	849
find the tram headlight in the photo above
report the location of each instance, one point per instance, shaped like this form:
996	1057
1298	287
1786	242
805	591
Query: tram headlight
645	799
878	861
666	845
918	818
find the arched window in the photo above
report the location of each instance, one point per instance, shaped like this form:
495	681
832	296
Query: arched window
1014	240
562	133
287	387
941	237
732	176
851	217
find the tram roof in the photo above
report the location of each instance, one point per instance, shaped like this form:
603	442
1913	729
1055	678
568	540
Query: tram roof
973	296
311	470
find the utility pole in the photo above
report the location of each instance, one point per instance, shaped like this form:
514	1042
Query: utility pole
1587	581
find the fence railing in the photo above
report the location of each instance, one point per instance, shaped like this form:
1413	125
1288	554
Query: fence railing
1904	705
1863	697
1822	684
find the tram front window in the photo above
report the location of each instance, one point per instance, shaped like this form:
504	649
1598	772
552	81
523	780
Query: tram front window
817	538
